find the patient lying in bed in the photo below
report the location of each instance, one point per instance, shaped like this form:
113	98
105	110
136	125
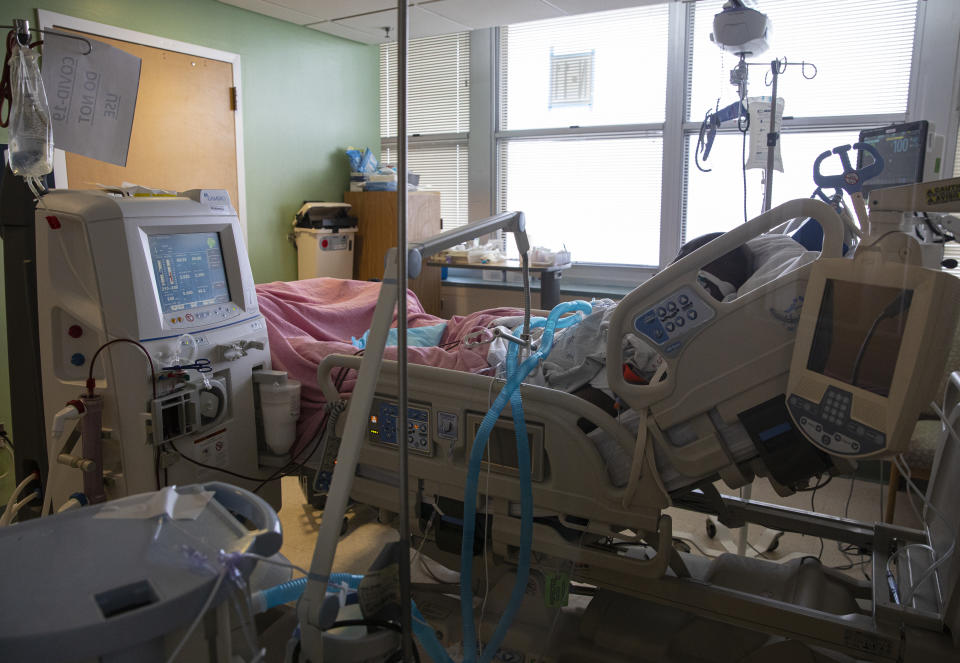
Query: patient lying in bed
308	320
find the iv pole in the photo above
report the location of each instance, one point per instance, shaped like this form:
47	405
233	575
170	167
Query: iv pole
772	137
406	632
777	67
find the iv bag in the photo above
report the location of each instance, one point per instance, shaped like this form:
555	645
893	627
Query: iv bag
31	134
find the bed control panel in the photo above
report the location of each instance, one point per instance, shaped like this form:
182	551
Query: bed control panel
828	424
383	426
673	319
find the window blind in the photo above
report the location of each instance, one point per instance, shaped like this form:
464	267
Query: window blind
862	50
714	200
571	197
438	117
438	86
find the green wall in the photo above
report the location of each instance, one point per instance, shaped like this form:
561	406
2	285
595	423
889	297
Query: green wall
305	96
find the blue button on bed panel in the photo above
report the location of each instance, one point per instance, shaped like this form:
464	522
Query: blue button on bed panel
649	325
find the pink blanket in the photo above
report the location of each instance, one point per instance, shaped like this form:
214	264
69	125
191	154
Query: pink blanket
308	320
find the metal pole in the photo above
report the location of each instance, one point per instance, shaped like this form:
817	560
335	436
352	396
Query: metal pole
772	137
404	561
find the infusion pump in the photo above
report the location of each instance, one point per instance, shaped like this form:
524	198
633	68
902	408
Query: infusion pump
172	274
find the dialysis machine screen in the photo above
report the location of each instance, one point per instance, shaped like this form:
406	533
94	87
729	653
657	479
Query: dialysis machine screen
189	270
858	334
903	147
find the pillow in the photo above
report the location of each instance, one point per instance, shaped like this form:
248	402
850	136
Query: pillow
417	337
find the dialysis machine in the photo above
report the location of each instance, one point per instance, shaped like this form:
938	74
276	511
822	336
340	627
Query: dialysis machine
170	274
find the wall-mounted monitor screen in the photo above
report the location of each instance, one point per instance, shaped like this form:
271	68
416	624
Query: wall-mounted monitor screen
189	270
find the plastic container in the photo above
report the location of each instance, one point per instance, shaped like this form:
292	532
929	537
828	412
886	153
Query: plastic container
280	407
325	252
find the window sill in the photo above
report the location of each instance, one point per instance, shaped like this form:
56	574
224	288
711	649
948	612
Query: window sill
566	288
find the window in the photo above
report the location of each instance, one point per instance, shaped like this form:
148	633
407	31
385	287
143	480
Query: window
573	197
595	117
585	149
438	117
580	134
840	95
862	50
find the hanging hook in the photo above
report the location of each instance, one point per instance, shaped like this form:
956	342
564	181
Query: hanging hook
23	30
803	70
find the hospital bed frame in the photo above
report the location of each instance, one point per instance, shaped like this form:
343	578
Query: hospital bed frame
579	512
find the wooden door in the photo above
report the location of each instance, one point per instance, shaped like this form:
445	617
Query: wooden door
183	126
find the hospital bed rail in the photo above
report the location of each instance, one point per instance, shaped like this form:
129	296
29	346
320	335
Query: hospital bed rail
574	495
720	359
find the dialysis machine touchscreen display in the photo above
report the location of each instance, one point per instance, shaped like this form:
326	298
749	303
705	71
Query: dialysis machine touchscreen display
189	270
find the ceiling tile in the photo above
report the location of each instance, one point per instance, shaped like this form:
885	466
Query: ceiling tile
334	28
493	12
272	9
331	9
422	24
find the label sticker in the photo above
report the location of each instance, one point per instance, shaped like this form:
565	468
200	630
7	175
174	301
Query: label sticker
940	195
213	449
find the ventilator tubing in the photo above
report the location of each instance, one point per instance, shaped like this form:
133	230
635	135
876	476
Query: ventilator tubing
515	376
291	591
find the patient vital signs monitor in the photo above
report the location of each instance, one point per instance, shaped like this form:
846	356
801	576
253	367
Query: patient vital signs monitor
911	153
871	347
173	275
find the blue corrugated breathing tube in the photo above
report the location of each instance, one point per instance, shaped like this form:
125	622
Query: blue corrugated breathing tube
510	393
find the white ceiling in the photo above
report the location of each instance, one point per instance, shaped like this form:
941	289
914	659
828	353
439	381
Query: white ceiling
375	21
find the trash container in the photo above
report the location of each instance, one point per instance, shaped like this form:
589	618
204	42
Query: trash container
325	252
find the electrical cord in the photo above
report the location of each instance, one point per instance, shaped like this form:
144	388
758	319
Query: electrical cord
813	495
214	467
944	236
817	486
91	383
897	307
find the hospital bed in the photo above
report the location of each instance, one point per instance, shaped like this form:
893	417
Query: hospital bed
575	485
616	538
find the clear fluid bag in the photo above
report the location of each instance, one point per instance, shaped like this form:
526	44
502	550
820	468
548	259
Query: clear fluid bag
31	133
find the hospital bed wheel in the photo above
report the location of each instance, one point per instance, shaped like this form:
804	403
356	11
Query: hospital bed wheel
711	528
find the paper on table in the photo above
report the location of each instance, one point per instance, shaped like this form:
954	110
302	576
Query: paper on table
187	506
92	96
